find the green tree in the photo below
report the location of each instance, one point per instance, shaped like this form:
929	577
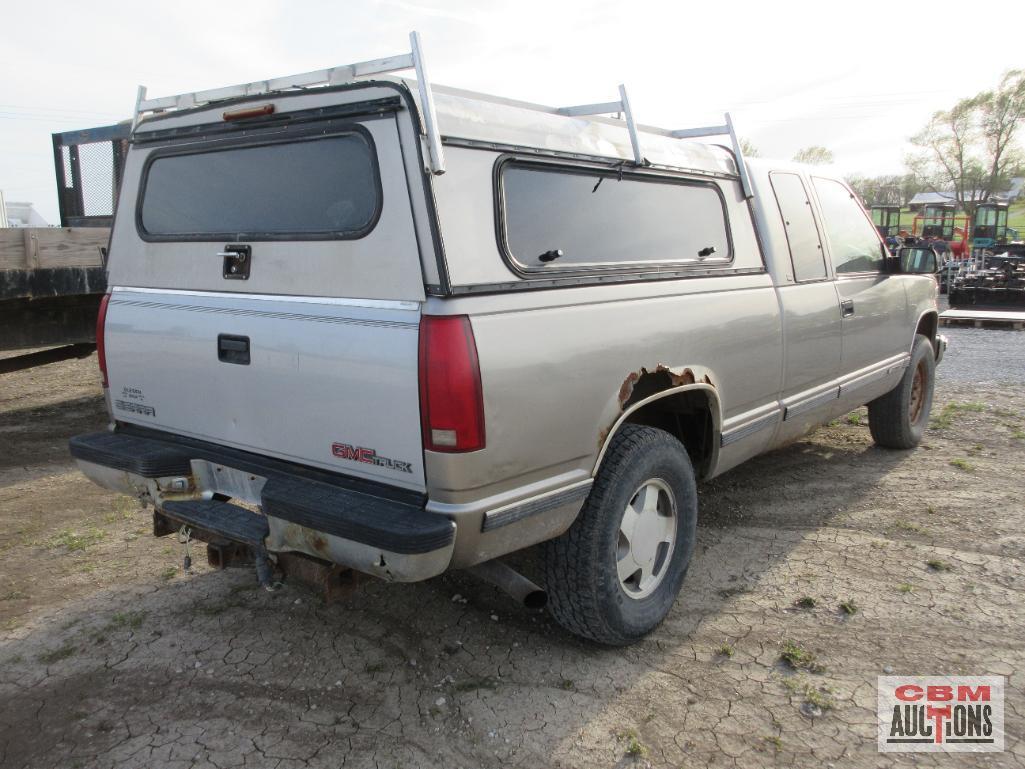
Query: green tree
749	149
971	149
814	155
887	190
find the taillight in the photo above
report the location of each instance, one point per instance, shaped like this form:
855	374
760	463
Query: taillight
101	352
451	403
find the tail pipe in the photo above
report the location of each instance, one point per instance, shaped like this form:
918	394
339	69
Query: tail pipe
511	582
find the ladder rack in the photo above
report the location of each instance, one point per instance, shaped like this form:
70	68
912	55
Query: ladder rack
346	73
726	129
606	108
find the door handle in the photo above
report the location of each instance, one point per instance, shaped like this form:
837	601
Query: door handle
233	349
846	308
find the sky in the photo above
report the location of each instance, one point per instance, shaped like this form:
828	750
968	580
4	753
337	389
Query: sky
858	78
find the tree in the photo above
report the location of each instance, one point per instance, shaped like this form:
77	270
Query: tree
970	149
749	149
814	155
887	190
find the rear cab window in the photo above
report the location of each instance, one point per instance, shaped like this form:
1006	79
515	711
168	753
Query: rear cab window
806	254
564	218
854	243
303	188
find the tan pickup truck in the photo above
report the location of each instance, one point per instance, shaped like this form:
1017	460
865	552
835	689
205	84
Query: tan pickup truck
416	329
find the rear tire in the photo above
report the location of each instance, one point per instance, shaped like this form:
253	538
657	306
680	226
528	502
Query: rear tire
615	574
898	419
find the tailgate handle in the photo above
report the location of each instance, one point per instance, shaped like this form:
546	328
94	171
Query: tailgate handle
237	258
233	349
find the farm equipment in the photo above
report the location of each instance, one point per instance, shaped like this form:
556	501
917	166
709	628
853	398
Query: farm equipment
941	221
887	220
994	281
990	228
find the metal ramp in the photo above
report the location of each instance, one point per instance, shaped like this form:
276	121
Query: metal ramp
984	318
348	73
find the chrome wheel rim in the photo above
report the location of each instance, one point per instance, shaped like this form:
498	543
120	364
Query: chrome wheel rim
917	393
647	535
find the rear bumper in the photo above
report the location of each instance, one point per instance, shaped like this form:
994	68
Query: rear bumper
387	534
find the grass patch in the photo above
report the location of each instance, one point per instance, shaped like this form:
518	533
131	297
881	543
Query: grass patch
775	742
725	650
963	464
14	595
56	655
945	418
74	541
820	696
854	418
1018	433
935	564
634	747
805	602
124	510
376	667
169	573
127	619
905	587
848	607
800	659
908	526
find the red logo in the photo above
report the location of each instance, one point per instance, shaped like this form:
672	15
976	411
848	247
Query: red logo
941	713
369	457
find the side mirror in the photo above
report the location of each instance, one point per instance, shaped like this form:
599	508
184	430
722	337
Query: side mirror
918	261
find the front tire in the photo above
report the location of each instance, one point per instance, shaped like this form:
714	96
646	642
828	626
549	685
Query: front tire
898	419
615	574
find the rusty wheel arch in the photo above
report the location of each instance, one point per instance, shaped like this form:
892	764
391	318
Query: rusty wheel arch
659	398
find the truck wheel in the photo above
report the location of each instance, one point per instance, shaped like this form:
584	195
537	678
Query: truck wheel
898	419
614	575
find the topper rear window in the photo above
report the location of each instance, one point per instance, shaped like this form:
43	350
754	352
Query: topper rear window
323	187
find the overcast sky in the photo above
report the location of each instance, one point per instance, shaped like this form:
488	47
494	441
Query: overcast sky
859	80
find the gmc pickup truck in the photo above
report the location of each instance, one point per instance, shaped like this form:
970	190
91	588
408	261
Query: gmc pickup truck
405	329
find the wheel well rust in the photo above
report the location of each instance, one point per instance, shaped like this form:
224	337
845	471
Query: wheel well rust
686	411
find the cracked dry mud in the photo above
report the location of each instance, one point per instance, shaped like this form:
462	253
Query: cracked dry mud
109	656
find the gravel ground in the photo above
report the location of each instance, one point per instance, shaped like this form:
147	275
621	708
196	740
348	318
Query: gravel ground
984	356
110	656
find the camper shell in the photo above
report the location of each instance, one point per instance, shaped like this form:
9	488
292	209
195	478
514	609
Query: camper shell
422	361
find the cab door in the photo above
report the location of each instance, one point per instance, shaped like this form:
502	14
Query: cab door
873	304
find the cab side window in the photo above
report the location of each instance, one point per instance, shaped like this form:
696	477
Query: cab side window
802	234
853	242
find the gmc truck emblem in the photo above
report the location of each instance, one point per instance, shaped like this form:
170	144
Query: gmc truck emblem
369	457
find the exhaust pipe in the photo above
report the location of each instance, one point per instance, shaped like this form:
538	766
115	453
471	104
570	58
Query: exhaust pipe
511	582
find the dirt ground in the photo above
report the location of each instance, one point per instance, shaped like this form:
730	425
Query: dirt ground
111	656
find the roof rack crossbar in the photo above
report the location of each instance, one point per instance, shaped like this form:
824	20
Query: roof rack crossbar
345	73
607	108
726	129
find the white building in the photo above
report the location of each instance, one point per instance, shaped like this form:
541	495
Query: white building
15	213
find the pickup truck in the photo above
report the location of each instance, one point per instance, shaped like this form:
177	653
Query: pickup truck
316	342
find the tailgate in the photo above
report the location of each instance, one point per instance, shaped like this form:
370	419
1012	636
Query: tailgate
266	295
